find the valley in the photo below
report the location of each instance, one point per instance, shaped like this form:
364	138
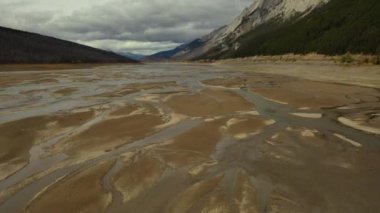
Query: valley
191	137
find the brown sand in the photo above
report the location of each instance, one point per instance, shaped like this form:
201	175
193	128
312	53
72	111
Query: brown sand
7	79
245	194
125	110
192	142
194	193
138	176
65	91
189	149
303	93
219	194
303	161
368	76
314	94
226	82
360	125
244	125
112	133
209	103
33	92
232	159
81	192
368	121
32	67
74	119
133	88
19	136
44	81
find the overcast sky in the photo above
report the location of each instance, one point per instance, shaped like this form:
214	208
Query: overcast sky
139	26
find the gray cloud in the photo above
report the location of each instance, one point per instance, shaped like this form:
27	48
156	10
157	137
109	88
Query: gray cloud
142	26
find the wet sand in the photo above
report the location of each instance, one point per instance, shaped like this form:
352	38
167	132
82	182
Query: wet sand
313	70
19	136
83	192
188	138
39	67
209	103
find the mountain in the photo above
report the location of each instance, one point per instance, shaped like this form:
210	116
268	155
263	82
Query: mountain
338	27
273	27
185	51
177	52
137	57
24	47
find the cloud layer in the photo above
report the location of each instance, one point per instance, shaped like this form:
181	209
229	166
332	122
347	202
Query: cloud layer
140	26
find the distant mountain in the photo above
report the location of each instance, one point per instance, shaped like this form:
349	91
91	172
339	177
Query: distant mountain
185	51
177	52
137	57
24	47
272	27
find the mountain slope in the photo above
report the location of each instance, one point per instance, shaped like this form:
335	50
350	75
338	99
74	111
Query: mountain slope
338	27
176	52
187	50
24	47
274	27
137	57
260	12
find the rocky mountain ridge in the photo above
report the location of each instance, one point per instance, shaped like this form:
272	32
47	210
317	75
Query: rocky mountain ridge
258	13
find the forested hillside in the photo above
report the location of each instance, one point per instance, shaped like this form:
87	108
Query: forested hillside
23	47
338	27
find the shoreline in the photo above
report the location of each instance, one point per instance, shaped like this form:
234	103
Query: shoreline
315	69
347	59
310	67
54	66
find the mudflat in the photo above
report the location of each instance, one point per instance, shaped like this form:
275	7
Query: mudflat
190	138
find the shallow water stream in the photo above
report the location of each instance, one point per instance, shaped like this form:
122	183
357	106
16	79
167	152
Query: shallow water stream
185	137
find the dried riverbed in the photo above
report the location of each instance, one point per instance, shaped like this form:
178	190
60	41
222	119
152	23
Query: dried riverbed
186	138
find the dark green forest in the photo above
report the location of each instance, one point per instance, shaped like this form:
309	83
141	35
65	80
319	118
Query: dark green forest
338	27
23	47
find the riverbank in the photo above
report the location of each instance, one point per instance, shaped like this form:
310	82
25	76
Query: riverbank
309	67
186	137
53	66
